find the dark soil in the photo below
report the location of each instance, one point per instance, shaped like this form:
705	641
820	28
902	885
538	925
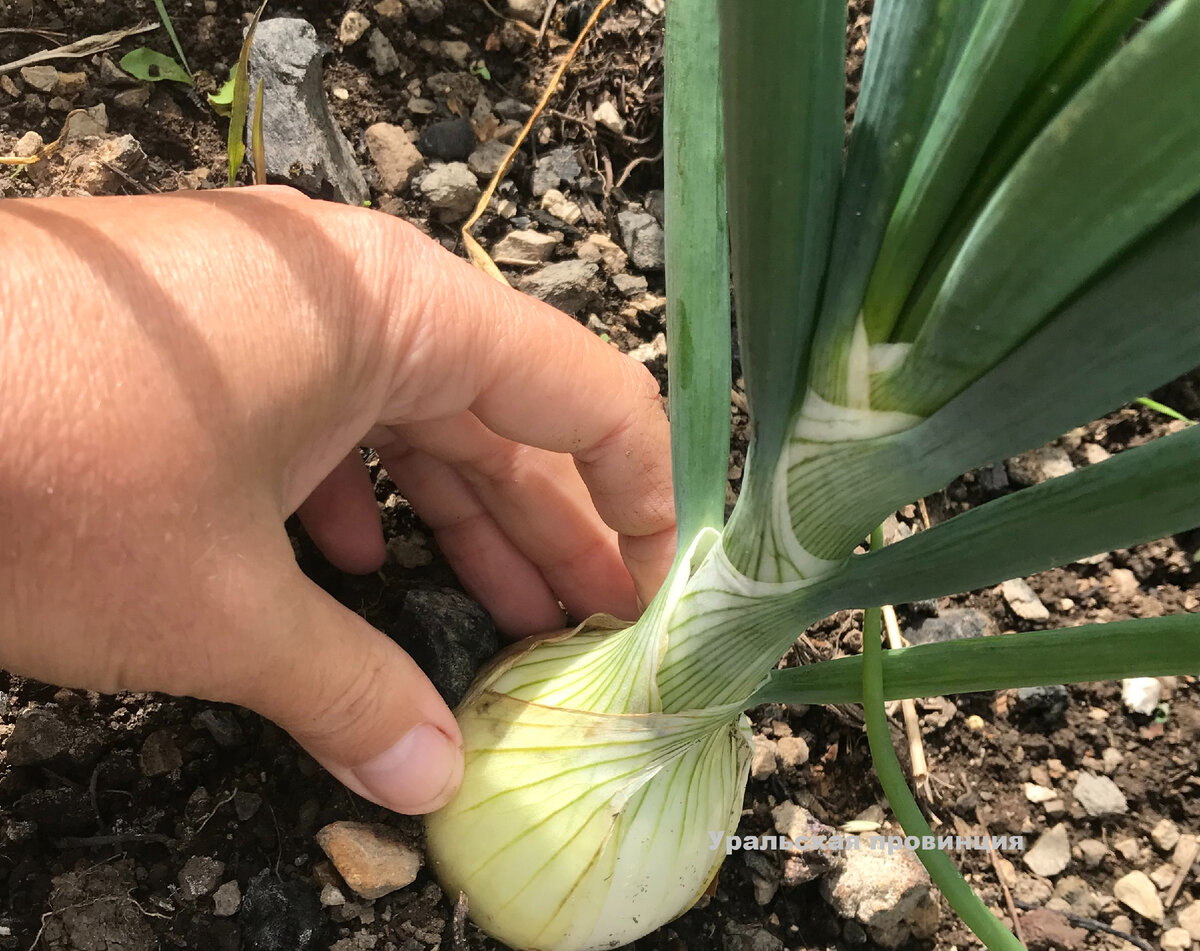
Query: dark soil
94	838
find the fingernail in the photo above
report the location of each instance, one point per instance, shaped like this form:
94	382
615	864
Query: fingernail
418	774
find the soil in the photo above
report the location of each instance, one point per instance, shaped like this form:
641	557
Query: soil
94	839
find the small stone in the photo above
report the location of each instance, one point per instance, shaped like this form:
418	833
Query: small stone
372	858
1185	851
524	248
452	191
1136	892
1189	920
1165	834
1045	704
1141	694
1128	848
27	145
246	805
1123	923
331	896
1080	899
461	86
1023	600
381	53
568	285
280	915
426	11
396	158
530	11
561	207
644	239
1032	889
451	140
419	106
554	168
993	479
1092	851
600	247
513	109
1051	853
748	937
762	764
227	899
160	753
200	876
629	285
487	159
1039	465
1045	929
793	751
1175	939
1163	876
1099	795
222	726
353	27
1110	759
951	625
1094	453
656	349
1122	583
83	124
135	98
41	78
47	735
1036	793
606	115
392	10
457	51
71	84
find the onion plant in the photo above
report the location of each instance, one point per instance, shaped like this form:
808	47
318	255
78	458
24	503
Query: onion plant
1005	247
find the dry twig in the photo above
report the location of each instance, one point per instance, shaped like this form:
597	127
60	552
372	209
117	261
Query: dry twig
912	724
80	48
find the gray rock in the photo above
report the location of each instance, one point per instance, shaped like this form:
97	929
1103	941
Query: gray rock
452	191
246	804
1044	704
656	204
161	753
524	248
1024	600
629	285
993	478
48	736
553	169
1051	853
568	285
456	51
396	158
280	915
450	140
426	11
513	109
381	53
644	239
890	895
464	87
748	937
486	159
304	146
1093	852
951	625
227	899
1099	795
90	909
41	78
531	11
200	876
1039	465
222	726
448	635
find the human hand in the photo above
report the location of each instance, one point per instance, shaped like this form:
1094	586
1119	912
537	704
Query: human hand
181	373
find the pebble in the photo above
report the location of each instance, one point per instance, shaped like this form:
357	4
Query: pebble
1039	465
1051	853
793	751
200	876
762	764
28	144
304	146
331	896
890	895
280	915
1080	899
1163	876
1092	851
1045	929
1094	453
160	753
951	625
71	84
652	350
451	140
227	899
561	207
629	285
419	106
41	78
1141	694
246	805
1036	793
426	11
606	115
993	479
1128	848
135	98
553	169
568	285
602	248
1175	939
1099	795
1185	851
1136	892
1047	703
524	248
1189	920
373	859
461	86
451	190
513	109
487	159
643	238
1024	600
392	10
530	11
46	734
352	28
456	51
381	53
222	726
1165	834
396	159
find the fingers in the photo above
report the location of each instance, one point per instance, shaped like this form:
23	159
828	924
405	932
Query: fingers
345	692
342	518
534	376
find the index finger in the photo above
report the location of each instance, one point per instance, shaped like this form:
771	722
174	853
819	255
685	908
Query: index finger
533	375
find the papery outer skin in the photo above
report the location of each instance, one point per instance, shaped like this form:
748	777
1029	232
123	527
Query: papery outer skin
576	830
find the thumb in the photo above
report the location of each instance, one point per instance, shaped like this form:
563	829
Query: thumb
351	697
